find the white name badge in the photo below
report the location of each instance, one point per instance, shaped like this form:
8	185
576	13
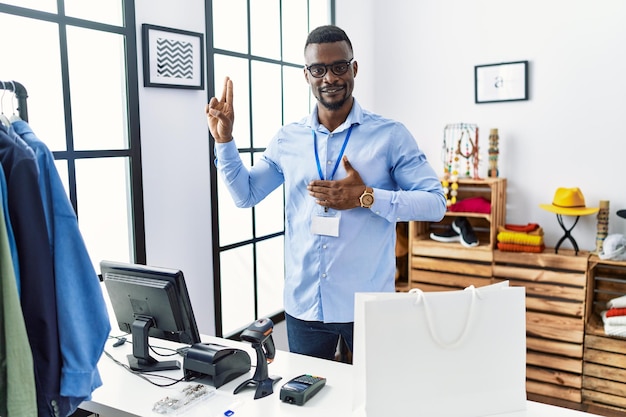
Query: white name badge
326	224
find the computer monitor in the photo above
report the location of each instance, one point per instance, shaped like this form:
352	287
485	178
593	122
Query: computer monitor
150	301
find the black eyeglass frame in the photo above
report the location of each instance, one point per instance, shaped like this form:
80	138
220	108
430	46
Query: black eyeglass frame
331	66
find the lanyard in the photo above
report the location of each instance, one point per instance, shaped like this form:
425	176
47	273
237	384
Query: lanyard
317	157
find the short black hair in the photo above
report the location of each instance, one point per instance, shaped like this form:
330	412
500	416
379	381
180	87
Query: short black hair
327	34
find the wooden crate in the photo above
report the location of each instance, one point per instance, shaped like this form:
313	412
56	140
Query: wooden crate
441	274
485	225
556	289
604	365
437	266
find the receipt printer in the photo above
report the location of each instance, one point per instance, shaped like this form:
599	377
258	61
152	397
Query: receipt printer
220	364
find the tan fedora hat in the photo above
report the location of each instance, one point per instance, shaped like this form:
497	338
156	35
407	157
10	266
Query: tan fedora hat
569	201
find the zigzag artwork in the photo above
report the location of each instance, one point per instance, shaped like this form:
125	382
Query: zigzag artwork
174	59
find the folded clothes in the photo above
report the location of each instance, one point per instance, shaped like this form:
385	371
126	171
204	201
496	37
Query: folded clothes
520	238
613	329
538	231
472	205
516	247
526	228
617	302
616	311
613	321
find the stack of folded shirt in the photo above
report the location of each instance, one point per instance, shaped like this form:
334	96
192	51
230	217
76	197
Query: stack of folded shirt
614	318
521	238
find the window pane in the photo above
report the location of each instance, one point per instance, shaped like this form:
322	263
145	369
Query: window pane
104	11
235	224
319	13
237	70
296	94
25	65
266	102
103	195
294	30
265	28
230	25
98	89
269	215
237	289
271	273
43	5
62	169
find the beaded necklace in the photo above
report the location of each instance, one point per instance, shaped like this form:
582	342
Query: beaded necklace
459	141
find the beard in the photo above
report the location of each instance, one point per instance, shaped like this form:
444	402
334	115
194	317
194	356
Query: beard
335	105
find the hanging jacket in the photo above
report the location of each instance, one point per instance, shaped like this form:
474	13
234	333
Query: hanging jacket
83	320
37	290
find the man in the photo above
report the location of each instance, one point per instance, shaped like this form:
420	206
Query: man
349	176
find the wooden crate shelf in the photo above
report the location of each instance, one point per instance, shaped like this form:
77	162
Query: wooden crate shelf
485	225
556	289
437	266
604	365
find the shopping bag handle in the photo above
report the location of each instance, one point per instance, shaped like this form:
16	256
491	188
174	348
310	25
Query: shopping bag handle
420	298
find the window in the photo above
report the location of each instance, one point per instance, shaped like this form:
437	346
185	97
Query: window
85	119
259	45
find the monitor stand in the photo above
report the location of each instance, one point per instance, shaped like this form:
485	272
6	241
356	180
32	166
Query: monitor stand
141	360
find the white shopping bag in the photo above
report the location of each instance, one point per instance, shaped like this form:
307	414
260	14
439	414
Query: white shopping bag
440	354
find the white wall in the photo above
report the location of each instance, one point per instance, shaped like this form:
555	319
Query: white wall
569	134
175	157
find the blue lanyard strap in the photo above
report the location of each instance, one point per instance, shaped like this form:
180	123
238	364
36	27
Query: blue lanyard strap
317	157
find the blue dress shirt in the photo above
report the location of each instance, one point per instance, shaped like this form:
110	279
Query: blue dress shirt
322	273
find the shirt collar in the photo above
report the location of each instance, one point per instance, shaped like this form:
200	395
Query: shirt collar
354	117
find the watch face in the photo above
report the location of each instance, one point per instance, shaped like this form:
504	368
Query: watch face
367	199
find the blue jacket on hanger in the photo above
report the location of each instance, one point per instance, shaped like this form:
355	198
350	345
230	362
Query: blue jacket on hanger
83	319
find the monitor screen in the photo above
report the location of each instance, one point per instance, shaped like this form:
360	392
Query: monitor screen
147	302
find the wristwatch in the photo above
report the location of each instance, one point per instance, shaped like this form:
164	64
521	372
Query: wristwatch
367	198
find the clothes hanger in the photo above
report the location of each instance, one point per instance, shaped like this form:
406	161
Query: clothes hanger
15	116
3	118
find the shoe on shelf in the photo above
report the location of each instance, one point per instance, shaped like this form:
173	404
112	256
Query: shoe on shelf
463	227
446	236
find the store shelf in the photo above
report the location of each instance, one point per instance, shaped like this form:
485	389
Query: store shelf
604	364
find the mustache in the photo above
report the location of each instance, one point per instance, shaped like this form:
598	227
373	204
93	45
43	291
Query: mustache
330	87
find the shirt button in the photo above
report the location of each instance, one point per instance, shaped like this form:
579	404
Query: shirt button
329	162
324	246
378	212
323	275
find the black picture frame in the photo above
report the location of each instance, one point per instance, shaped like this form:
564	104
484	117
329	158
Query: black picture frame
506	81
172	58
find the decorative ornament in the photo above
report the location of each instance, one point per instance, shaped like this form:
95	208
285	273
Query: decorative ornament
602	226
493	153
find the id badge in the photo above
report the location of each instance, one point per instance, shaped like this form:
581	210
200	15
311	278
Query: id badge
326	223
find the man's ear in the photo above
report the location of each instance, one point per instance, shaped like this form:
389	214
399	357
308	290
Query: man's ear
306	75
355	68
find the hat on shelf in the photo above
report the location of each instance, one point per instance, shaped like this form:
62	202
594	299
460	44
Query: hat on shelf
622	213
570	202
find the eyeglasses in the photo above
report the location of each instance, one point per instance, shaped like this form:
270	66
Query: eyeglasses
338	68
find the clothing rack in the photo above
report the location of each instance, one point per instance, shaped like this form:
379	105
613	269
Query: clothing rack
20	93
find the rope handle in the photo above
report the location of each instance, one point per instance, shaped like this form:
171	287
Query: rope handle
420	298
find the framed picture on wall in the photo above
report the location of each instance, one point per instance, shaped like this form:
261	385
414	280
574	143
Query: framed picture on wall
172	58
506	81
